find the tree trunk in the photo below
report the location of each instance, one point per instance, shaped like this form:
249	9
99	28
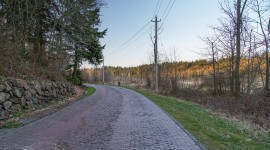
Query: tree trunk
249	70
214	69
266	51
238	48
38	37
267	71
232	63
37	43
76	63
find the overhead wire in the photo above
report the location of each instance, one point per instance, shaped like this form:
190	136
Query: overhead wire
156	8
132	41
159	7
121	46
128	52
166	9
167	14
126	43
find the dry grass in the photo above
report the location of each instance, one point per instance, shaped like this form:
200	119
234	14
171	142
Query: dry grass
252	110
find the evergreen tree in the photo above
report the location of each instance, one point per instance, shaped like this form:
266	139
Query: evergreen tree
82	33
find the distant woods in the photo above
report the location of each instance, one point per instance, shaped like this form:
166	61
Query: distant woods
51	36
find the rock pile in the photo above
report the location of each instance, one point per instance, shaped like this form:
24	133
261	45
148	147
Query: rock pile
16	94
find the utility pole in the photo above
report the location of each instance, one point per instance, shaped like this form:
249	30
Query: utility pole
103	72
267	65
156	53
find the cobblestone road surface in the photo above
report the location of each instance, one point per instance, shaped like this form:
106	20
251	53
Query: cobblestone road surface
112	119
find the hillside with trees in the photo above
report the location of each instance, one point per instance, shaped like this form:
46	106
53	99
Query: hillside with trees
49	39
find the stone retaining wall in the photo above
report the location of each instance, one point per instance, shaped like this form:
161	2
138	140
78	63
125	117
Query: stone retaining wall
16	94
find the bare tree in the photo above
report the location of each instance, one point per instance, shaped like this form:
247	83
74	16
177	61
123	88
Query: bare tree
260	7
240	10
235	15
212	52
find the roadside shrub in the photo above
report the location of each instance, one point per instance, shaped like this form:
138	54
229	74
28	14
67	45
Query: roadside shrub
75	80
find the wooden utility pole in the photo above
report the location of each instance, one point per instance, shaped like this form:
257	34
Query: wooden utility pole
103	72
156	53
214	68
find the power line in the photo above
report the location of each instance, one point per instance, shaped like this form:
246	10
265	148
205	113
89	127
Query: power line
133	50
167	14
129	38
131	42
156	9
130	51
159	7
166	9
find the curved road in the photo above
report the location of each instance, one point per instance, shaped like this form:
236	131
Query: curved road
113	118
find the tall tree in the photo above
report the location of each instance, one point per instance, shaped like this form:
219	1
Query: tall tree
240	10
260	8
82	32
43	19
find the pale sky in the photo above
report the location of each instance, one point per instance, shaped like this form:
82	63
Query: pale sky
185	23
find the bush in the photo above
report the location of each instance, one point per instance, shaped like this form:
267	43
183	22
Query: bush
76	80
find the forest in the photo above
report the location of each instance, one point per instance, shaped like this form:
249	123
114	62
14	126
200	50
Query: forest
49	39
233	76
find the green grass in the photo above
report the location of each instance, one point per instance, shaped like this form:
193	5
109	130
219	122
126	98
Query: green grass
89	91
213	131
12	124
22	113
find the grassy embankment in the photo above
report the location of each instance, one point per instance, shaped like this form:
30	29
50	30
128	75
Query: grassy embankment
89	91
212	130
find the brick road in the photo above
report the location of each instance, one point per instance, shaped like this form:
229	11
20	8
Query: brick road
112	119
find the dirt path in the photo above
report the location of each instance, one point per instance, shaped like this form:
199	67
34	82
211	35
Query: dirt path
112	118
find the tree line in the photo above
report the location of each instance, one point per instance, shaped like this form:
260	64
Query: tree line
175	75
55	34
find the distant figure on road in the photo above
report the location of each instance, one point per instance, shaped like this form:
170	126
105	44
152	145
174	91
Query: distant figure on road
119	84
